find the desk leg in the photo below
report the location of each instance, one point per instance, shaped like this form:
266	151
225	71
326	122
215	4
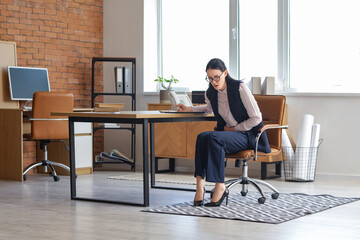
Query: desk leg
72	159
152	154
146	162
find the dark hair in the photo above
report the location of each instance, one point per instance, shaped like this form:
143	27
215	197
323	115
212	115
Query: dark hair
218	64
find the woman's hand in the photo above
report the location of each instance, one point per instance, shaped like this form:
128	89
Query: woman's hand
182	108
229	129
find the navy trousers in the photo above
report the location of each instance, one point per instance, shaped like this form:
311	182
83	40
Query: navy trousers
210	152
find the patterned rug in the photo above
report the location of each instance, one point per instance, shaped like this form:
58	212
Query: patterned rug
287	207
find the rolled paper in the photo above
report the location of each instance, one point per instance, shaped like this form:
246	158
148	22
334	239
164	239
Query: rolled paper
301	166
304	137
315	136
289	152
286	143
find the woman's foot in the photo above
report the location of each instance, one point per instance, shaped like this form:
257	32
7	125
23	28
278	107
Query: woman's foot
220	193
199	197
200	192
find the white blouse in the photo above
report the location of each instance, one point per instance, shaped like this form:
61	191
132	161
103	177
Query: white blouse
247	99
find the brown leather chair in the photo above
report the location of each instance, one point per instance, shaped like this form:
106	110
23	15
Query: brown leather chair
45	127
272	108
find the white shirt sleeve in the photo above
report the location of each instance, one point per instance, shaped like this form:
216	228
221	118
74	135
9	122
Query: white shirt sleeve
251	107
203	108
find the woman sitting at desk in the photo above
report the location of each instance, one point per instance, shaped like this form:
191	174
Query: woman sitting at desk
238	121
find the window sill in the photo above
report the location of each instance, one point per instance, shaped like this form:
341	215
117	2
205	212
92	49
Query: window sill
297	93
151	93
319	93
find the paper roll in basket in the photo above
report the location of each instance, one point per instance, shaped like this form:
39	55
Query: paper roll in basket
303	142
288	151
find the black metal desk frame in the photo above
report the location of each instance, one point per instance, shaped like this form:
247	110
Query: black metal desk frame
145	122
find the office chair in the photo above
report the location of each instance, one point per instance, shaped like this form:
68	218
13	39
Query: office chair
272	109
46	128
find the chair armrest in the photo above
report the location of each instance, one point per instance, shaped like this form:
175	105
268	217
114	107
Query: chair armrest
269	126
263	129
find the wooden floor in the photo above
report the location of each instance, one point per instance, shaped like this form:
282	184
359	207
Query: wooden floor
41	209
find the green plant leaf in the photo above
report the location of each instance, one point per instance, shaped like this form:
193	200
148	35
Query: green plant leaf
163	82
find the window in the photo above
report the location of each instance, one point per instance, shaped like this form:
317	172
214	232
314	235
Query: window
307	45
324	44
190	33
258	38
193	32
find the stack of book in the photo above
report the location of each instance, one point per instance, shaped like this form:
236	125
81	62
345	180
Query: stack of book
108	107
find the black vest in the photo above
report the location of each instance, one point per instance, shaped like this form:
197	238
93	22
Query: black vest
238	111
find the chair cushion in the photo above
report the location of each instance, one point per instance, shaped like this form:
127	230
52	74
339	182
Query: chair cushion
274	156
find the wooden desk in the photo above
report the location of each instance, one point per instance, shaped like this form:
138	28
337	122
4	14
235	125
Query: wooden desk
12	129
146	119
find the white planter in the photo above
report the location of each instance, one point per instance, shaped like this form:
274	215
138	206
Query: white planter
164	96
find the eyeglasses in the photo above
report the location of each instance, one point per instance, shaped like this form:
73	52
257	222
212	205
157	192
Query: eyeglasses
215	79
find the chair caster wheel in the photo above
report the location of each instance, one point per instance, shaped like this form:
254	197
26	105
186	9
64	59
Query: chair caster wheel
24	177
243	193
56	178
261	200
275	195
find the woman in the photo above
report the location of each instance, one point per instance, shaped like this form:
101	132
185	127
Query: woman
238	121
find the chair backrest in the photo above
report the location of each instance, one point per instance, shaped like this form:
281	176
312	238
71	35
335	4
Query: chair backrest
43	104
272	108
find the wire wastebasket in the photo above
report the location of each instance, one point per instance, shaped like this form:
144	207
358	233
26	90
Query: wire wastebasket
300	165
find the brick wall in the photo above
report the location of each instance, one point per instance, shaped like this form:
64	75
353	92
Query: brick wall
61	35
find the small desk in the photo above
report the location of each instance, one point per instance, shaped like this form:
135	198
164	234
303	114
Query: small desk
146	119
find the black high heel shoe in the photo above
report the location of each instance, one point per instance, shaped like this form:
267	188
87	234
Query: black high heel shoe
200	202
218	203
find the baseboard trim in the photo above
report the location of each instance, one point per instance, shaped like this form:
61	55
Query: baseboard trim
329	176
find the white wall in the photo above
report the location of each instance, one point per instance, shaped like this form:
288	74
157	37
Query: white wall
123	37
338	116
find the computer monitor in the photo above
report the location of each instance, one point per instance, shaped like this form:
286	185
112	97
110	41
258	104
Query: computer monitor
24	81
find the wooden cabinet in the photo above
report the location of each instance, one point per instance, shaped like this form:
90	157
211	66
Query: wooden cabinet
177	140
83	148
170	140
11	144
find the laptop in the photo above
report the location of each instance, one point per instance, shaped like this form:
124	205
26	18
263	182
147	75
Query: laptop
175	111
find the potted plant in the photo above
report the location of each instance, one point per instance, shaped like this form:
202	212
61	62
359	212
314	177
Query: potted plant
165	87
